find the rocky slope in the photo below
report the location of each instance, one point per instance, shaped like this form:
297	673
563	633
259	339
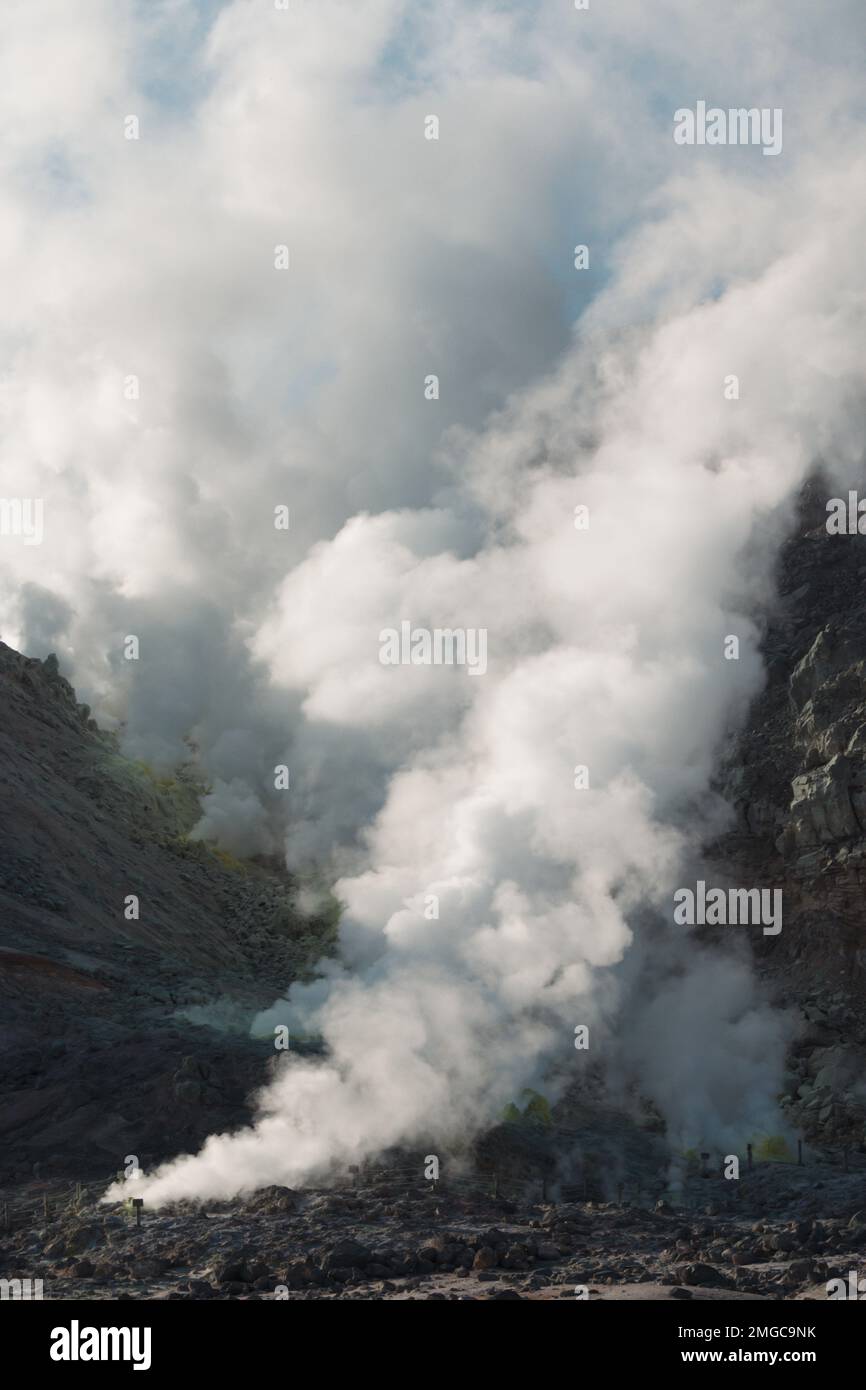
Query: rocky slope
98	1060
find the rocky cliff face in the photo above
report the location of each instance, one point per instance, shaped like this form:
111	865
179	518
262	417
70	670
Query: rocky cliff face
99	1057
797	777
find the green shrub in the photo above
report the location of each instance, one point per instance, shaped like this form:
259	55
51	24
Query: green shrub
536	1110
772	1147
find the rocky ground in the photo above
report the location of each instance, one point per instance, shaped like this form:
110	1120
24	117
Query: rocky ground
390	1235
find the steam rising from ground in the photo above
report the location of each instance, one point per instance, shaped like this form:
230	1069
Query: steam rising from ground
605	645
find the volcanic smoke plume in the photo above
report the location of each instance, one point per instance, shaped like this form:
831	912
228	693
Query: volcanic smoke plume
606	650
599	484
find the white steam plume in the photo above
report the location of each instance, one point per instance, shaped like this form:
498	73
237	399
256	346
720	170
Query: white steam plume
155	258
606	649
